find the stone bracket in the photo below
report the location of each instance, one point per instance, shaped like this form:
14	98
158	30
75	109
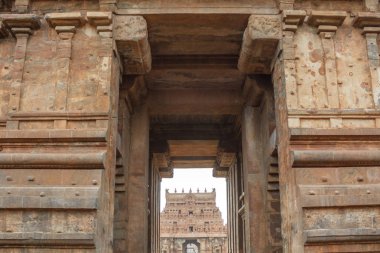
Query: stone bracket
260	42
163	163
131	37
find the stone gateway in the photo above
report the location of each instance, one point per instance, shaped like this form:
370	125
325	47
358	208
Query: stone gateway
101	99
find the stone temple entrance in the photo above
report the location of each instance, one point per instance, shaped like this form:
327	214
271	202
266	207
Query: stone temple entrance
100	99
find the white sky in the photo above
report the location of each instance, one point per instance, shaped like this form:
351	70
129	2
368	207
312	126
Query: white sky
197	178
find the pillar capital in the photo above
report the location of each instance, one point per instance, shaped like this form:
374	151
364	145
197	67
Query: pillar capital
327	22
102	21
65	22
20	23
292	19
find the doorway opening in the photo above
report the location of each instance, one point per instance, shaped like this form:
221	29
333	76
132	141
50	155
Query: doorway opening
193	214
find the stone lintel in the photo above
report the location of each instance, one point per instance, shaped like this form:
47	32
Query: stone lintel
293	17
260	41
65	19
326	18
367	19
131	36
20	23
99	18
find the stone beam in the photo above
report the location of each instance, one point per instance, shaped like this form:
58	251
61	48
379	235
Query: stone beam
260	41
194	102
131	37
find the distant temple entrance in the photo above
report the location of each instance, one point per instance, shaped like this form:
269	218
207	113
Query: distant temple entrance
192	223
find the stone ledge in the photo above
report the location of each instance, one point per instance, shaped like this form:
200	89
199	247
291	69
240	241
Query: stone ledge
372	134
43	238
333	157
339	235
61	160
12	136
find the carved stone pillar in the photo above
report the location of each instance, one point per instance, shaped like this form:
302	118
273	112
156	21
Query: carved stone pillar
65	25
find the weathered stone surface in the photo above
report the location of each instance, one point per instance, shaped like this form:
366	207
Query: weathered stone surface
101	99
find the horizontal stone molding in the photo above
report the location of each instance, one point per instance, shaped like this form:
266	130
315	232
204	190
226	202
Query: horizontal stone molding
342	235
44	239
57	115
49	160
64	135
309	134
339	195
333	157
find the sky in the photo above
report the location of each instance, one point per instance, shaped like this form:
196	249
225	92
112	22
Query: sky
194	179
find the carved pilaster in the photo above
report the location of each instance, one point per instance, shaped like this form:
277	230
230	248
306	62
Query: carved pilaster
21	26
370	23
103	23
285	86
260	41
291	21
327	24
65	24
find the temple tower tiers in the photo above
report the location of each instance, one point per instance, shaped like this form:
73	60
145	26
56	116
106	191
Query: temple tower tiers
191	222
